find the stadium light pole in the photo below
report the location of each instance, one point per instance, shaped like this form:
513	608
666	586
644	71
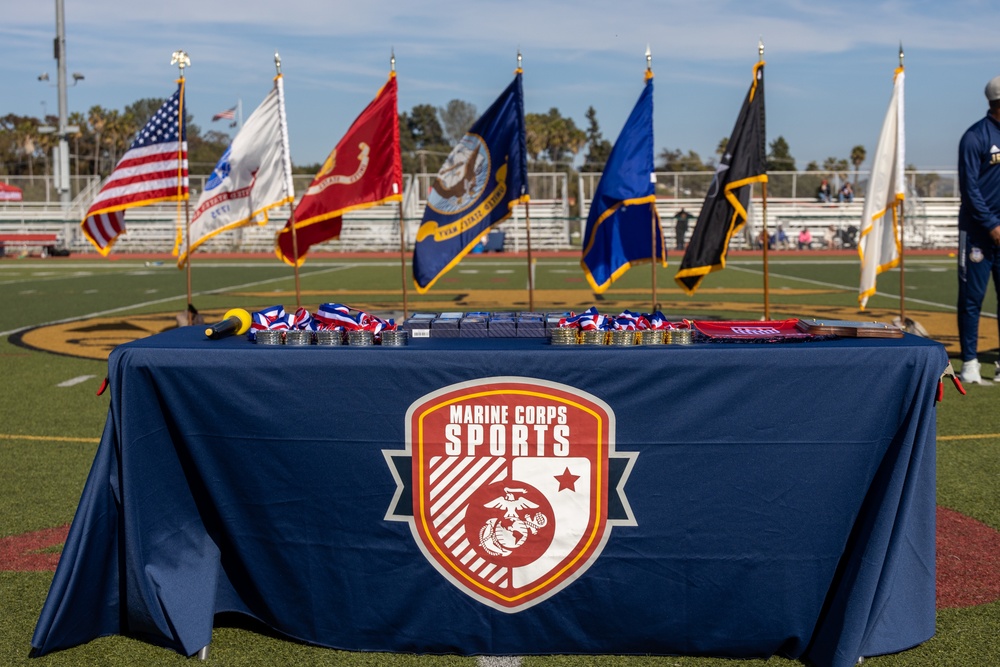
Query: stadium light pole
61	161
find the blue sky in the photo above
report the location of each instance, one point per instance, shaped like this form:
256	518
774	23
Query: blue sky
828	75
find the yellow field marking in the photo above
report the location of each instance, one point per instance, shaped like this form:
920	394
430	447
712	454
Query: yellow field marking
47	438
622	292
57	438
981	436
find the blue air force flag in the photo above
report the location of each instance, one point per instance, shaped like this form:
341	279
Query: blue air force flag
484	177
623	225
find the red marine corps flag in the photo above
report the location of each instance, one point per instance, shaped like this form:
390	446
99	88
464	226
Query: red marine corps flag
365	169
511	486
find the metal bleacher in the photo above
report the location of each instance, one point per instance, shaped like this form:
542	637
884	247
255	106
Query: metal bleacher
556	221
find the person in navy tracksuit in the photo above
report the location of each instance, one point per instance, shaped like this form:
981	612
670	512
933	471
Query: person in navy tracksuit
978	228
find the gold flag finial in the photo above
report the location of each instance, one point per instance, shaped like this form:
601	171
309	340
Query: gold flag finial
180	58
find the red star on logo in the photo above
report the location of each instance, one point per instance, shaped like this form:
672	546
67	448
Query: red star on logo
567	480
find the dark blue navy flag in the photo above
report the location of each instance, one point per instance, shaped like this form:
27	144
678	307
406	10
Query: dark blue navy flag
623	224
484	177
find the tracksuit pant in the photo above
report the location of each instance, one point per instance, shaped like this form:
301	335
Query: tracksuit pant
976	263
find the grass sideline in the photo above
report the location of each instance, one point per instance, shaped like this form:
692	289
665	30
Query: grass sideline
49	432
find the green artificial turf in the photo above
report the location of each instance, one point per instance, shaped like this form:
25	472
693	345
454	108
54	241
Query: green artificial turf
48	433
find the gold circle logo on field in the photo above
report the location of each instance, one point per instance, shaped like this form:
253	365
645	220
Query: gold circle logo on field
95	337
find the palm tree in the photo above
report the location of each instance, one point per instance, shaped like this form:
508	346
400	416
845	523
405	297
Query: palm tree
720	150
97	119
76	119
26	132
858	155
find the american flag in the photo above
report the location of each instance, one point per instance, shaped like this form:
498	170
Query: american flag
228	114
154	169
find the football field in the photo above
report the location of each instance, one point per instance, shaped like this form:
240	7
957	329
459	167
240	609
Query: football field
62	316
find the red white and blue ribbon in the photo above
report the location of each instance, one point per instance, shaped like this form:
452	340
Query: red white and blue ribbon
335	316
658	321
269	318
301	320
629	321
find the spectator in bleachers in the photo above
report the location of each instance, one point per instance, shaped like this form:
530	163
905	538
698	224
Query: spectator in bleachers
830	238
846	193
823	193
779	239
805	239
682	217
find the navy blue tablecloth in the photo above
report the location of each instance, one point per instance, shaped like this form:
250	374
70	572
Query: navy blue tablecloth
765	499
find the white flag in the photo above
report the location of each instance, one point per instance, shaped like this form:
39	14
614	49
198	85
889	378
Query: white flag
252	176
881	238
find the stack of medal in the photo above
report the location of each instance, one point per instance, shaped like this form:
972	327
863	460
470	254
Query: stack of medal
268	326
624	328
679	336
300	329
653	329
332	323
564	335
593	328
272	326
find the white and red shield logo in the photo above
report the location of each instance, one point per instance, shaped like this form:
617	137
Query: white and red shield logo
511	486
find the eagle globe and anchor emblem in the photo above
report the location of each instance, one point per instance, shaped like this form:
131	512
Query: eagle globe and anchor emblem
500	536
510	485
462	178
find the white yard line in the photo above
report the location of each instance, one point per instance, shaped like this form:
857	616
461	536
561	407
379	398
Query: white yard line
498	661
849	288
74	381
168	299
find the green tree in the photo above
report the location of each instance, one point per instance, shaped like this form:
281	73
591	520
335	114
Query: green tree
79	121
858	155
780	157
925	184
97	119
26	134
457	117
424	126
676	160
720	150
422	139
836	165
553	136
18	137
598	148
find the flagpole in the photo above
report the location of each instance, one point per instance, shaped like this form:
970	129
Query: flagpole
763	213
652	234
287	160
902	237
527	229
402	223
181	59
652	205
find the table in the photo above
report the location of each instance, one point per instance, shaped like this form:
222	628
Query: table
713	499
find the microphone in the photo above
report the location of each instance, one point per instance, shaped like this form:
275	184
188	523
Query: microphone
236	321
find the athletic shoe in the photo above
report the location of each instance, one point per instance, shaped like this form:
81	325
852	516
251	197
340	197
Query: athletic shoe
996	375
970	372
